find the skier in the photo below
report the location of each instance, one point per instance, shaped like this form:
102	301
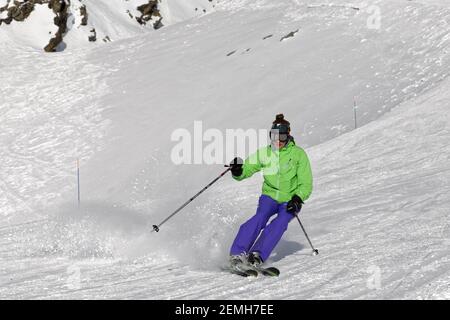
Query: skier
287	184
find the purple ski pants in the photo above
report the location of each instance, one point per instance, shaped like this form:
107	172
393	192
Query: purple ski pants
271	233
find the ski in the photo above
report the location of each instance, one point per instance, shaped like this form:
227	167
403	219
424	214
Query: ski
268	272
246	273
249	270
242	272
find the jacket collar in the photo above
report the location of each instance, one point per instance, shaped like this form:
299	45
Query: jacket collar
289	144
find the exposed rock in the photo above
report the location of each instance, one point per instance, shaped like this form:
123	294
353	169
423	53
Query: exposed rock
148	12
158	24
93	37
84	14
60	8
4	8
21	11
53	44
148	9
289	35
6	20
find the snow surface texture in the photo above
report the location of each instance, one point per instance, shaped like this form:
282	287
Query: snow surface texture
379	212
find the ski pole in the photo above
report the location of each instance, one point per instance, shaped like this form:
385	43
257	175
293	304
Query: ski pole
315	251
156	227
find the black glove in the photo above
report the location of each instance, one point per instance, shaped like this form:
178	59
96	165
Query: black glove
294	205
236	167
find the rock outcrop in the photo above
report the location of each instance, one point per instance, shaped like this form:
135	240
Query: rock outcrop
150	11
17	11
60	9
84	15
75	16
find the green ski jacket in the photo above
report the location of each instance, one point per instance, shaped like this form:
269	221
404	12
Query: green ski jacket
286	172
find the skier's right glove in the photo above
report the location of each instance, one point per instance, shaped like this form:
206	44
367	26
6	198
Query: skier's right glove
294	205
236	167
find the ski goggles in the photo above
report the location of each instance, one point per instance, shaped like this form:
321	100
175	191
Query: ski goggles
281	128
276	136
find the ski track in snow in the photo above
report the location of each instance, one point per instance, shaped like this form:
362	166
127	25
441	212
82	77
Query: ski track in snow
378	214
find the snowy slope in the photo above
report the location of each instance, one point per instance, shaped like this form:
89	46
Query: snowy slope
382	211
380	206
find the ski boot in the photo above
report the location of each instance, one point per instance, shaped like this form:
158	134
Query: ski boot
239	265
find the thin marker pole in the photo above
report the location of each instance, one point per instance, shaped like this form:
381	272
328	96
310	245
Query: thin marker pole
78	180
354	112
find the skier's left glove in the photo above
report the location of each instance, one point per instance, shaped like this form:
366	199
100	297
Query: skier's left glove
236	167
294	205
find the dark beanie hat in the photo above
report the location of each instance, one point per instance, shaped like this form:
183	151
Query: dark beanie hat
281	124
